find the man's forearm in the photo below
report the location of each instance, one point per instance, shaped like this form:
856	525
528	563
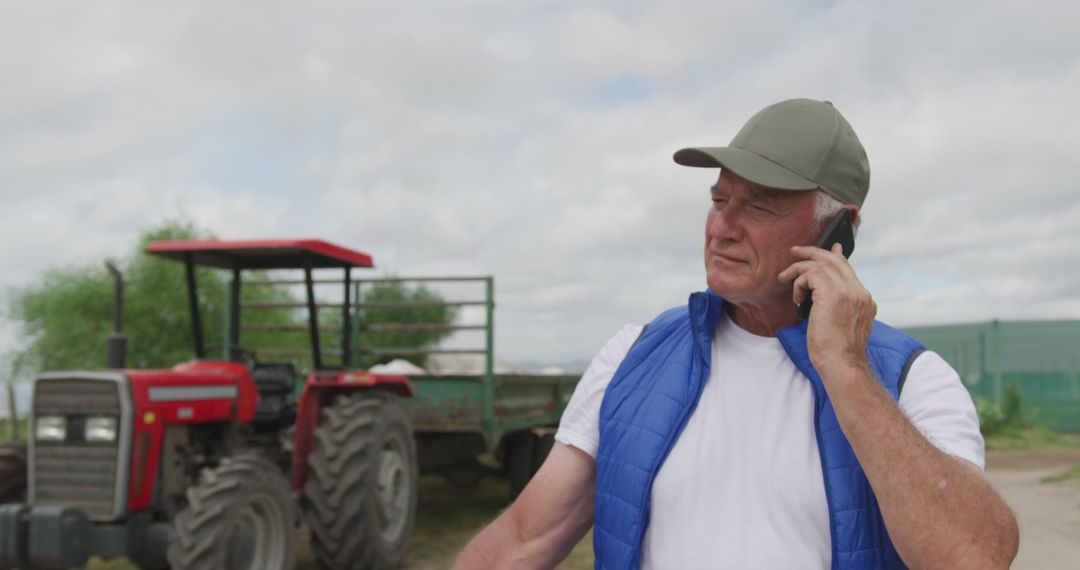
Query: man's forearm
511	542
485	549
545	522
940	510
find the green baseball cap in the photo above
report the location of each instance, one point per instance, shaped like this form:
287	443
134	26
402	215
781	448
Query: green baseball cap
798	144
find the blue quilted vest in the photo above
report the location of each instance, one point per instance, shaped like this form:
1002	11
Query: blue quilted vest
655	391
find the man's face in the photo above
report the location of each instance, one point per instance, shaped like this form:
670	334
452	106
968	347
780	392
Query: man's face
748	238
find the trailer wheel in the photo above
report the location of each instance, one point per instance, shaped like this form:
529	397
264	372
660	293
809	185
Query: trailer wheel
360	495
520	461
12	473
239	515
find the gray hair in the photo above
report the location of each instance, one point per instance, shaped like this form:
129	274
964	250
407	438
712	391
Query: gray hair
825	207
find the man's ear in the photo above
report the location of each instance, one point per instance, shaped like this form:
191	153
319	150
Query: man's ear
854	213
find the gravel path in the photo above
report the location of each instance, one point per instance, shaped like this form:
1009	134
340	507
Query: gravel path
1048	513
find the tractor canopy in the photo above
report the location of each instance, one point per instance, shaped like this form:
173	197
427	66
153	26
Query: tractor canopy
238	256
261	254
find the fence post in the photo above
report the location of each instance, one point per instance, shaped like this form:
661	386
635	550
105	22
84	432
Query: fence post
489	356
13	419
999	380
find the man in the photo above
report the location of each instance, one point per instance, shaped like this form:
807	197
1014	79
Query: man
730	434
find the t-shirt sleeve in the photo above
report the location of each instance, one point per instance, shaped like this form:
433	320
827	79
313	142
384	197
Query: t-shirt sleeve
940	407
580	423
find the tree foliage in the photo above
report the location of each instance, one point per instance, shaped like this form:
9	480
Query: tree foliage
994	418
66	318
425	311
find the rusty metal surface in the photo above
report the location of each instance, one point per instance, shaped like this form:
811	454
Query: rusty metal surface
446	403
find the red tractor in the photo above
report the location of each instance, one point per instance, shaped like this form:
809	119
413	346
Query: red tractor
214	462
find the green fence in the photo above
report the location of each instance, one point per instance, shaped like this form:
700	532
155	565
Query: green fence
1042	358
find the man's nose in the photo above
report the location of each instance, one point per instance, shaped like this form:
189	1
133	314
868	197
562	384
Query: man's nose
725	223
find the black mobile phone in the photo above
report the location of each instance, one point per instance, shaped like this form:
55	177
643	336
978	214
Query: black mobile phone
839	231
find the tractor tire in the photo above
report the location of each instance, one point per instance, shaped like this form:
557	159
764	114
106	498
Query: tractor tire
520	455
12	473
360	495
239	516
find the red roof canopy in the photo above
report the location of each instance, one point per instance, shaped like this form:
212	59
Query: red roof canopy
262	254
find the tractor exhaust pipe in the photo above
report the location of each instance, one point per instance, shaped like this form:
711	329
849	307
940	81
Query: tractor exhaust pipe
116	349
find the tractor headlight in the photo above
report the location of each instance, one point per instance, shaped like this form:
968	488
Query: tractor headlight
51	428
101	429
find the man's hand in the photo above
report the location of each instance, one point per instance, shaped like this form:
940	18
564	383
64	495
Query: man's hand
939	510
843	313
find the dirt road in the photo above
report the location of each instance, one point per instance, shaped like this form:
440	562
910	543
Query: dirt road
1048	513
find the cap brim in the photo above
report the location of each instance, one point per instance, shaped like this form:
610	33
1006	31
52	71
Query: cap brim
747	164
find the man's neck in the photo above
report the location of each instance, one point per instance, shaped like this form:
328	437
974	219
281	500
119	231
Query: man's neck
762	320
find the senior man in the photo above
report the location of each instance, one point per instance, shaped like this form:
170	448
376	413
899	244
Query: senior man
729	433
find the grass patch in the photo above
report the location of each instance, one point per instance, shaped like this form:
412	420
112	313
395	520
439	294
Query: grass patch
448	517
1070	474
5	431
114	564
1016	438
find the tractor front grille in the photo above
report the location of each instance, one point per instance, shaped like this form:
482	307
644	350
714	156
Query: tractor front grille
74	472
82	476
78	397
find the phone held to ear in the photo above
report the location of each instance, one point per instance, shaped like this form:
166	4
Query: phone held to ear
839	231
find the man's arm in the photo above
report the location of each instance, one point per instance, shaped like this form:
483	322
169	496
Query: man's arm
940	510
546	521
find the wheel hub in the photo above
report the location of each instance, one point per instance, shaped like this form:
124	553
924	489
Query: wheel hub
392	492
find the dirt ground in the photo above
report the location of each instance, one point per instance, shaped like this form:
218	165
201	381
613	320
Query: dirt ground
1048	512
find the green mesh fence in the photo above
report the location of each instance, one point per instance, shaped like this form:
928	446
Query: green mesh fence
1042	358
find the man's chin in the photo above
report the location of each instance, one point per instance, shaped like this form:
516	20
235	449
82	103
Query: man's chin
732	289
725	289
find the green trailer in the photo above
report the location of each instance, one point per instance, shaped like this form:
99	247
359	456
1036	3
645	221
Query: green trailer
458	417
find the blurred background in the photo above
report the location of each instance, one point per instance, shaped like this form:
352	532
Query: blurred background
532	141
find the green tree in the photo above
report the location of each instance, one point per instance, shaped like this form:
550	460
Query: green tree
157	320
67	317
64	320
425	311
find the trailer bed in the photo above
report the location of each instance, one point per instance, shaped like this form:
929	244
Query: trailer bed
455	403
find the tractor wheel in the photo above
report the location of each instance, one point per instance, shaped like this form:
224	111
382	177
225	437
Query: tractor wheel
360	495
239	516
12	473
519	461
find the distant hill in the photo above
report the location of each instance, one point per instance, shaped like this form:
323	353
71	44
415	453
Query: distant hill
568	367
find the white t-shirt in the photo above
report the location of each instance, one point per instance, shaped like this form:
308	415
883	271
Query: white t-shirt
743	487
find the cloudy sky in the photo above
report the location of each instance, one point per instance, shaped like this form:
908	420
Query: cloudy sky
532	140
